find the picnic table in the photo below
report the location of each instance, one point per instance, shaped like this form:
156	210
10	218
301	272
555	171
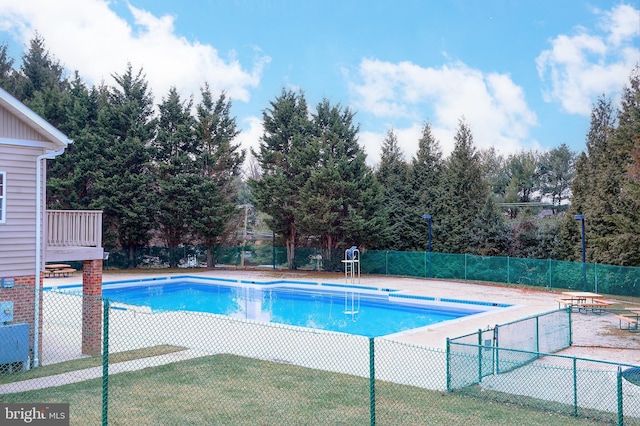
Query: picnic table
584	300
57	266
631	318
58	270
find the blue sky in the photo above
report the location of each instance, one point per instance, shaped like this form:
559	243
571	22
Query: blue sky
523	74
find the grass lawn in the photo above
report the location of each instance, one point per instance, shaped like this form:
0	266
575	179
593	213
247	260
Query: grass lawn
88	362
228	390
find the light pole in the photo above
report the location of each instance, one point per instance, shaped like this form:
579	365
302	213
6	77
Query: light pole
580	217
428	218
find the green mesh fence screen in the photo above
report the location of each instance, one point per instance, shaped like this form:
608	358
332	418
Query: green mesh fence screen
123	364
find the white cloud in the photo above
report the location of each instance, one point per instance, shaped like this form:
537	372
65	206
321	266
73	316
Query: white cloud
492	104
622	23
90	37
580	67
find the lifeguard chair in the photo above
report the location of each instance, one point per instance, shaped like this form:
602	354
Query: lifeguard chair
352	264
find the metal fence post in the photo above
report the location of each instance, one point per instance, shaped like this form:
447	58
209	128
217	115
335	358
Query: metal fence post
447	366
570	328
105	363
386	262
620	413
372	382
465	266
496	350
575	387
537	334
480	355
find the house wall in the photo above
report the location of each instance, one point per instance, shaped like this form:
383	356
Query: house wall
18	233
11	127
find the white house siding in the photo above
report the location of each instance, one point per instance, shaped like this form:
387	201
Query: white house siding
18	233
13	128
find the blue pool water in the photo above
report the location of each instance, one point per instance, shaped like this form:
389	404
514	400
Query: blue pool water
366	312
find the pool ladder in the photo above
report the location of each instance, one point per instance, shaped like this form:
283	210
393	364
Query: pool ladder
351	303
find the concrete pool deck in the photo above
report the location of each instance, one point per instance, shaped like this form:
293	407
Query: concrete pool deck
594	336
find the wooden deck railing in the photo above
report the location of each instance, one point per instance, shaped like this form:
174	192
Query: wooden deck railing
74	228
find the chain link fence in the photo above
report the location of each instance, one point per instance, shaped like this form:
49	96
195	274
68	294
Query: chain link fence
177	367
606	279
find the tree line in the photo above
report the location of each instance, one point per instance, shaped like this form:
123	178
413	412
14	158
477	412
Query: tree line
171	173
168	176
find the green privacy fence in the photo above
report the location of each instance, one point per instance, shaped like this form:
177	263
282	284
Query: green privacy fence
607	279
177	367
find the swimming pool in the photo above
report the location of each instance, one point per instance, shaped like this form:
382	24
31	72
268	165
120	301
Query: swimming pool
349	309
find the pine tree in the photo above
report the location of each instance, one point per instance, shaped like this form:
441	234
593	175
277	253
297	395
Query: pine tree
392	173
490	233
171	153
72	177
283	146
557	169
595	190
465	195
39	72
126	127
7	74
341	201
625	243
426	191
494	168
219	162
524	179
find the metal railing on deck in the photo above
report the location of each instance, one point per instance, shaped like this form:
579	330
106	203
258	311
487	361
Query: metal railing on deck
74	228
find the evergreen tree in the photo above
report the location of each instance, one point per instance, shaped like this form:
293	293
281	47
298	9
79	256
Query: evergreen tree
219	162
494	167
341	201
127	127
557	169
466	193
72	177
171	153
625	242
490	235
392	174
7	73
595	189
524	179
426	192
39	72
287	132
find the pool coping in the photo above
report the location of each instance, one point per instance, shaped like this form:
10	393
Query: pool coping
488	308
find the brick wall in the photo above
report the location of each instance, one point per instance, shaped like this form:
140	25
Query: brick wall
92	307
22	294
